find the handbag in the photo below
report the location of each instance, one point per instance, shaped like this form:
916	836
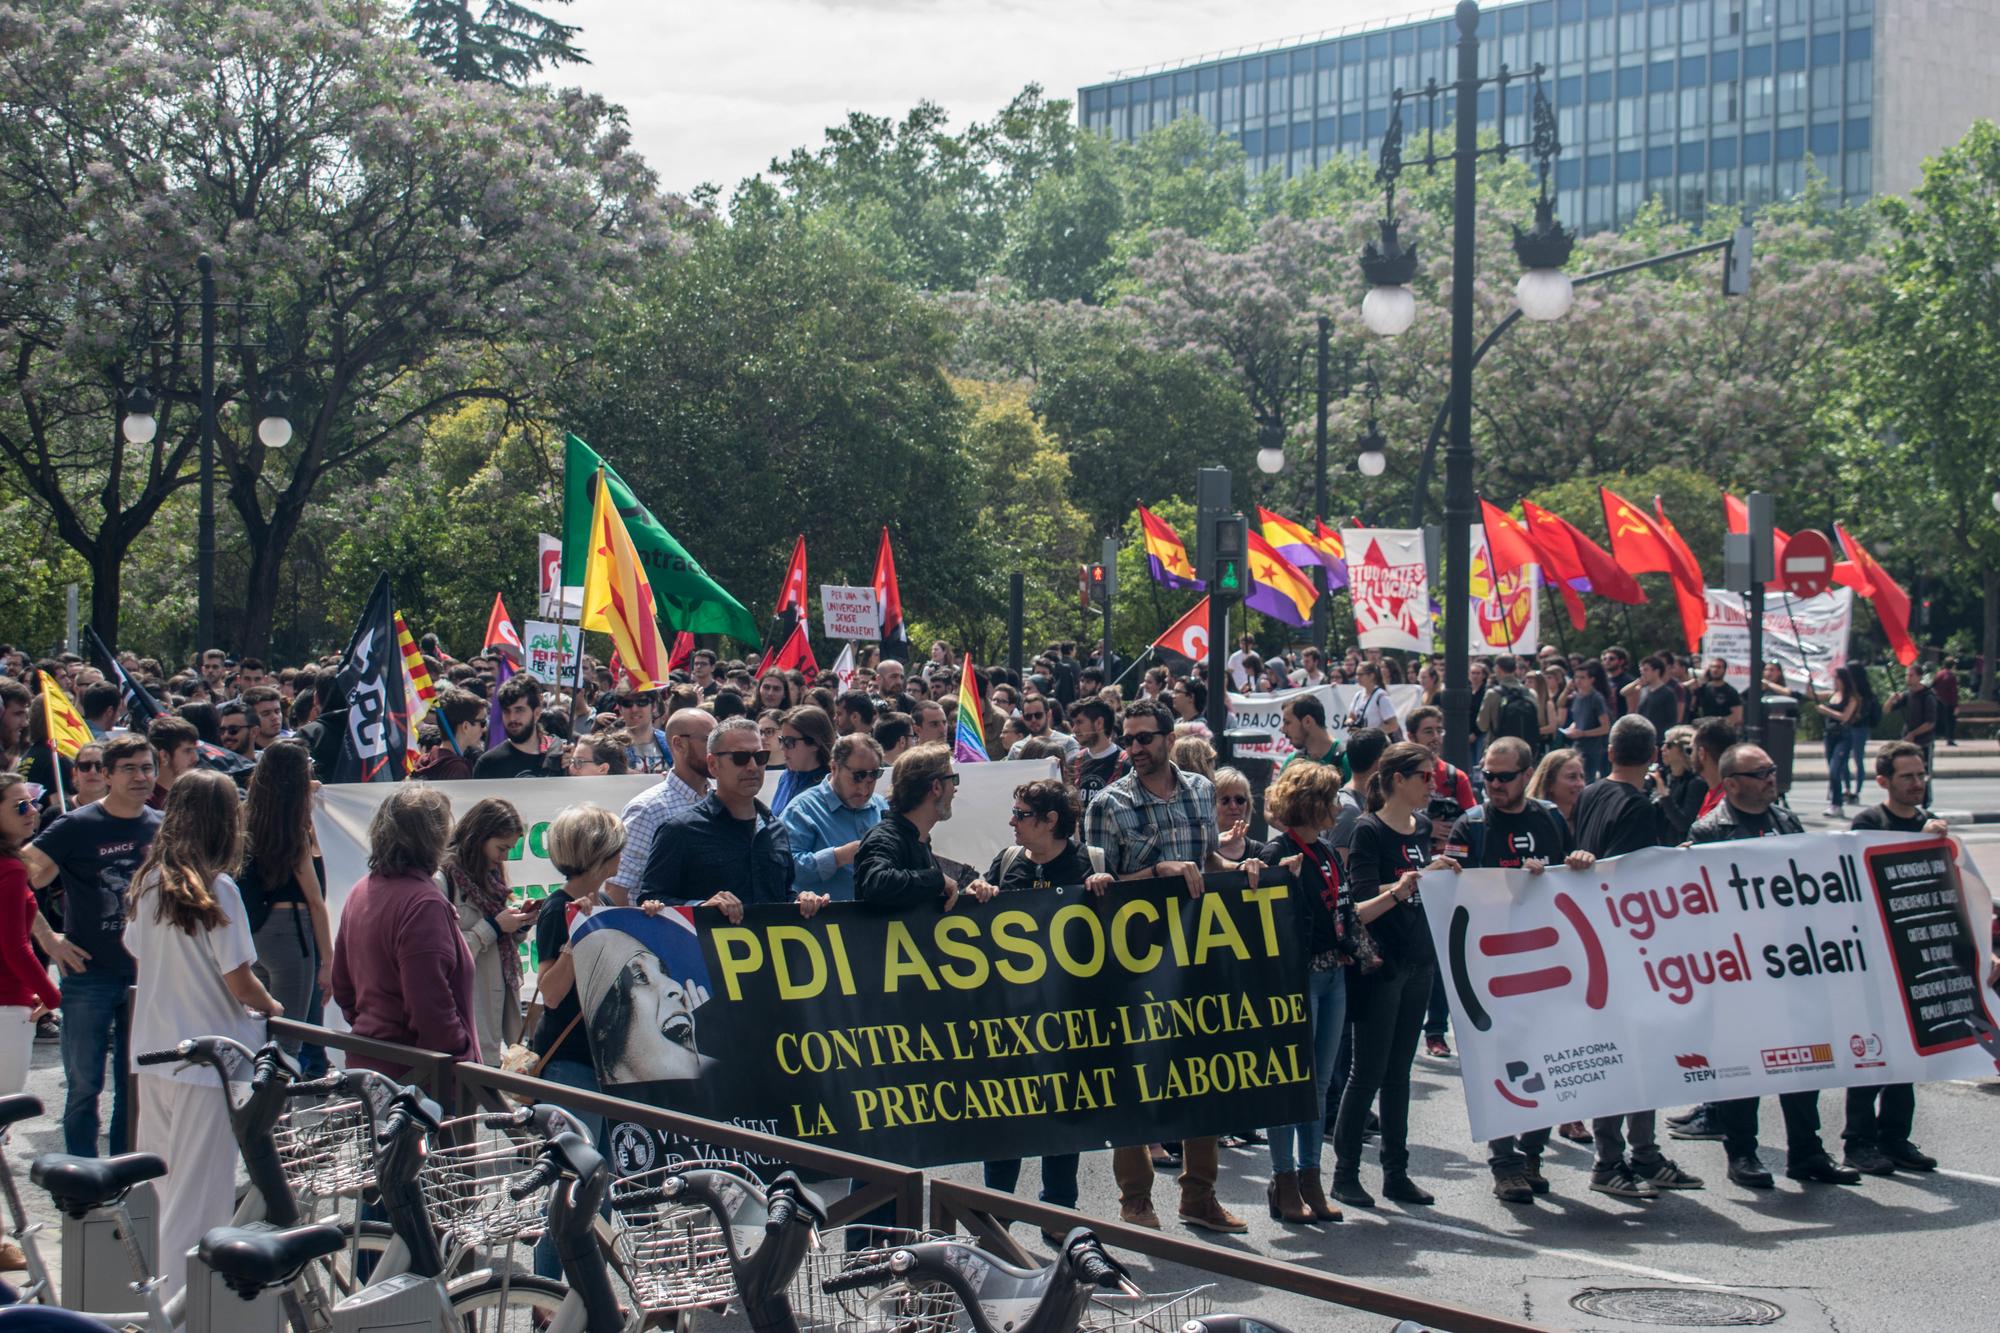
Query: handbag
517	1057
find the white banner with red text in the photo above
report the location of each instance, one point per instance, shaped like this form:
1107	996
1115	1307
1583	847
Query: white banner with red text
1807	637
1388	583
1266	713
1740	969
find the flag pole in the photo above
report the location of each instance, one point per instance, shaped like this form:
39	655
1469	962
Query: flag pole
55	761
1556	615
1136	664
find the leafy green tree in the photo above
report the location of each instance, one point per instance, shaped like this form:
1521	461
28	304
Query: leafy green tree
498	41
1925	460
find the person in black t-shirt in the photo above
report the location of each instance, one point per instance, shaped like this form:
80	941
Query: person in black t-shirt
1508	832
524	754
1044	855
1876	1138
1389	846
1716	697
1613	817
1658	702
1098	760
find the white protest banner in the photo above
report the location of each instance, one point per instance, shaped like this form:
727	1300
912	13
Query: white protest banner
1265	713
1506	612
1807	637
1729	970
553	651
552	598
849	613
1389	585
974	835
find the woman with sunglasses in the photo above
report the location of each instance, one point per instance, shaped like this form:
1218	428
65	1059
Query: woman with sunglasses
1390	845
92	782
26	993
1044	855
806	737
1234	807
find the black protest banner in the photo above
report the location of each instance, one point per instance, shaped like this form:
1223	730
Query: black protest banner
1041	1022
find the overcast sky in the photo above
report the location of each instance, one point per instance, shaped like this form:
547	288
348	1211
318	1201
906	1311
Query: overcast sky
717	88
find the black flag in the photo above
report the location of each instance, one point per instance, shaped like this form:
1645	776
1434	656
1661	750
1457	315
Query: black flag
368	684
140	707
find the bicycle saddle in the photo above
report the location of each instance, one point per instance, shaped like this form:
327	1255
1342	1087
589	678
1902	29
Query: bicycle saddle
80	1184
17	1108
252	1260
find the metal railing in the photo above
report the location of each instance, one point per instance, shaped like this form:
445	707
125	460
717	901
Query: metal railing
985	1214
982	1213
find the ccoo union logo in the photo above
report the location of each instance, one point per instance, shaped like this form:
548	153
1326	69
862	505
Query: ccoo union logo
1786	1059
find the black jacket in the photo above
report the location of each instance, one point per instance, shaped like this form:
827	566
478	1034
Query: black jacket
709	851
894	867
1723	824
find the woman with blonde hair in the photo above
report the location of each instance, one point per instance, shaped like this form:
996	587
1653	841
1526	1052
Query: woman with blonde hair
475	879
1559	780
1193	754
1234	806
191	938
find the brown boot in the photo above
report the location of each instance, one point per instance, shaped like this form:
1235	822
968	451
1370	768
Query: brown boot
1315	1198
1208	1213
1283	1196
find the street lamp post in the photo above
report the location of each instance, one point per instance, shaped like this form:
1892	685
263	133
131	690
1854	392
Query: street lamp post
140	424
1390	308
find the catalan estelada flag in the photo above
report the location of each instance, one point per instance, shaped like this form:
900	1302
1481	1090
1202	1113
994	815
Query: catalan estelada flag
968	743
618	599
67	731
1166	558
1277	587
422	692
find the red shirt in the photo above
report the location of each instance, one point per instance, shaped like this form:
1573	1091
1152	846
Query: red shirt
23	979
1451	782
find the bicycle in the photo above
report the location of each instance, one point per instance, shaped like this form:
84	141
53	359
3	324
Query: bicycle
937	1283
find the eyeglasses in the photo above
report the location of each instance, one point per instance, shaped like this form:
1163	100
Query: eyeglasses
1033	717
23	806
1232	800
789	741
1427	774
952	778
1018	815
1755	774
865	776
90	765
745	758
1132	738
1492	776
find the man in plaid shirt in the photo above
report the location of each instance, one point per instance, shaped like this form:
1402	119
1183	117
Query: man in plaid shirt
1158	821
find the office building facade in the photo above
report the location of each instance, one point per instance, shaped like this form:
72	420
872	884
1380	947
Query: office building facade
1700	103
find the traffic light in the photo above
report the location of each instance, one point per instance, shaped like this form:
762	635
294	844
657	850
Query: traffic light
1229	541
1100	590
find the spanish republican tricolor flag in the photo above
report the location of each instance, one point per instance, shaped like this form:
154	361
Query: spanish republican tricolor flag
1166	558
968	742
1329	545
1277	587
617	598
421	691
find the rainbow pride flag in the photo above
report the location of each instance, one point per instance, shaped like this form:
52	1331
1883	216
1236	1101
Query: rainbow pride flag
968	744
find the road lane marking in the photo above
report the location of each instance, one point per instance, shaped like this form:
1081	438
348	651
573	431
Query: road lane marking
1594	1261
1967	1175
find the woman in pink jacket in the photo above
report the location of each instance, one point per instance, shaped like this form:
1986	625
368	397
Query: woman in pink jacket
401	971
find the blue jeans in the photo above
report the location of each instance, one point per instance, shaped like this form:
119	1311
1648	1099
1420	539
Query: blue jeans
1058	1178
571	1074
1857	746
1297	1147
1839	742
95	1029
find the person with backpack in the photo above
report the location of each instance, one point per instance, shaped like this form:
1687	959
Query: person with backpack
1045	855
1510	831
1510	707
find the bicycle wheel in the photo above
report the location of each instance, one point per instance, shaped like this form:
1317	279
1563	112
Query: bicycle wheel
519	1304
329	1280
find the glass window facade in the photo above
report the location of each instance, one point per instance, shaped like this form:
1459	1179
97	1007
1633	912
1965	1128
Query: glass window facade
1697	103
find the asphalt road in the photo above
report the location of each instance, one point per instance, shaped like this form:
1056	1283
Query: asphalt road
1891	1255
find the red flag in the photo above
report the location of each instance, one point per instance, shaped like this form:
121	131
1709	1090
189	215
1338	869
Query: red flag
790	611
683	650
1186	641
500	635
887	599
1511	547
1690	589
1575	556
1636	542
1892	604
796	655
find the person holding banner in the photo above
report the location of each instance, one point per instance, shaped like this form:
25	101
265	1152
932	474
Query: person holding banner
1749	809
1159	822
1388	847
1304	802
683	788
826	823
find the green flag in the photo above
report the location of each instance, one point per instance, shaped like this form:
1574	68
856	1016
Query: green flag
688	599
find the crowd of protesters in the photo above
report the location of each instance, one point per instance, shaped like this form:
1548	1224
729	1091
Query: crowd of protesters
183	855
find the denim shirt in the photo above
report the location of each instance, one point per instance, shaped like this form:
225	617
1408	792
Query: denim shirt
819	821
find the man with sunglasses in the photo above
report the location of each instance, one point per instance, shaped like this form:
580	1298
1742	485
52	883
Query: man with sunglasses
683	788
233	726
1038	715
1158	822
1749	809
1509	831
826	823
730	838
